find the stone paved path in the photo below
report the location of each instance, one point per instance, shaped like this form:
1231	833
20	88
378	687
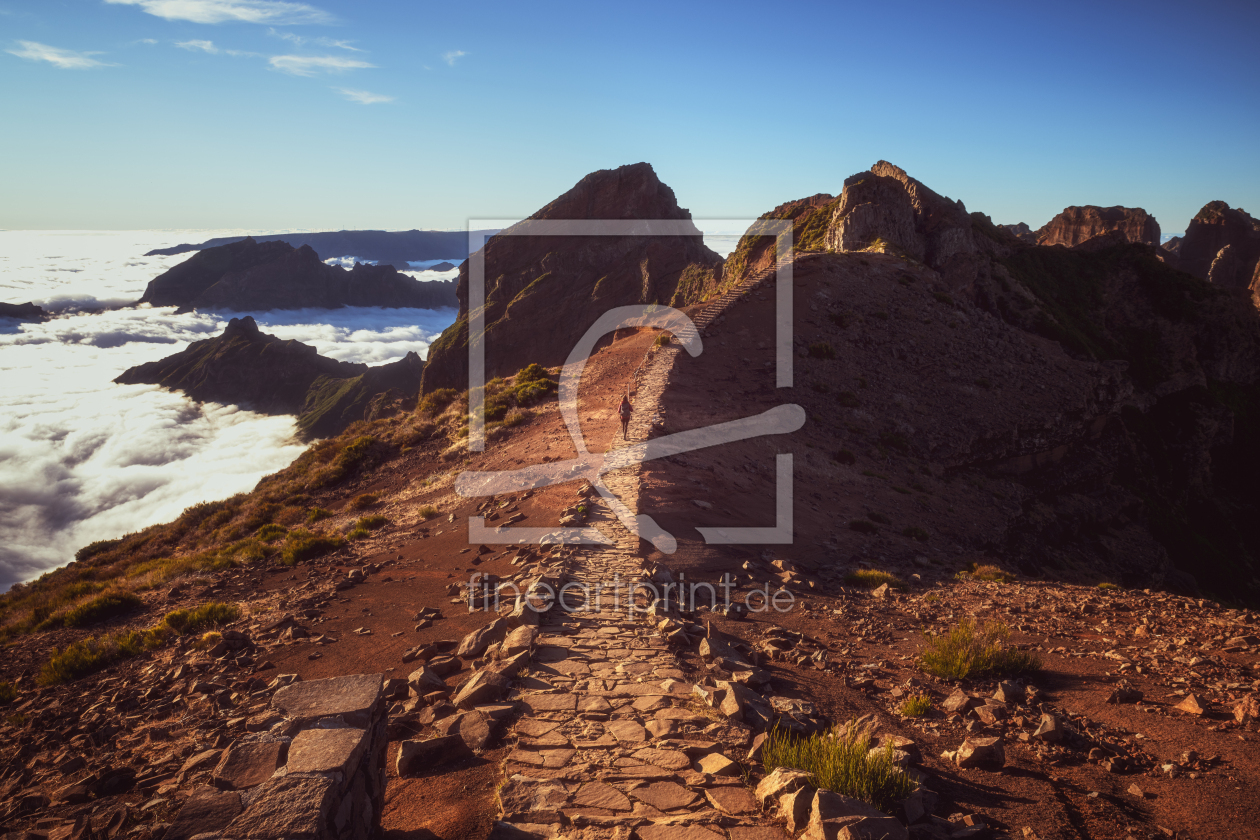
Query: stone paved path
611	740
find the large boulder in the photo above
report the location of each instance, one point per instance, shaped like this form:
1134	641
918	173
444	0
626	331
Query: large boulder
475	643
836	817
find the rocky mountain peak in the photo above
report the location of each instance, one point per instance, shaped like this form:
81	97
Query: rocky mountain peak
628	192
1077	224
1222	245
543	292
245	327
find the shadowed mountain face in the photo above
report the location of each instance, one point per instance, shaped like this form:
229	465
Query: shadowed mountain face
274	275
260	372
1138	383
1222	246
544	292
395	248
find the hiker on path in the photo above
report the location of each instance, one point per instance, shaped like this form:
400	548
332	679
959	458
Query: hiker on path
624	411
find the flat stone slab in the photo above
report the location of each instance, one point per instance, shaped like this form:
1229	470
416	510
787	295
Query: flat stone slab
286	807
533	728
626	730
668	759
594	704
352	698
678	832
549	702
757	832
205	811
602	795
732	800
667	796
542	758
651	703
327	750
245	765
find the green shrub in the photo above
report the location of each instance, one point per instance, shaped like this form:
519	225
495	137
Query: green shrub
916	705
316	515
821	350
914	532
372	522
984	383
301	544
880	519
434	402
364	500
103	607
201	618
941	297
844	456
872	578
988	571
7	693
78	659
1106	585
427	512
840	319
863	526
971	651
841	761
848	399
516	416
271	531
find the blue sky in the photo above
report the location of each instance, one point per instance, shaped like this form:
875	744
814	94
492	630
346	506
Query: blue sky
382	114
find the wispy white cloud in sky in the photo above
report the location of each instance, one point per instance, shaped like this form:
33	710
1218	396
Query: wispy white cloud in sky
65	59
147	41
298	40
309	65
363	97
275	12
204	46
451	57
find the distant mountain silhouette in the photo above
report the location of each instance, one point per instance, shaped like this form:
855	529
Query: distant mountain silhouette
246	275
396	248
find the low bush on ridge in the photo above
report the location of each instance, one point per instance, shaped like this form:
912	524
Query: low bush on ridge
969	650
841	761
873	578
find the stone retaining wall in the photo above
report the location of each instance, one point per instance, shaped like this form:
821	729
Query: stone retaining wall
317	774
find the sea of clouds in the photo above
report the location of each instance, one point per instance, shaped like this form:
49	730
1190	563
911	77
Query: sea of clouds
83	459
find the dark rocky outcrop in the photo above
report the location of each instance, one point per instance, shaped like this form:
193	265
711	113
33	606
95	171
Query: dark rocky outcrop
396	248
1222	246
250	275
244	366
544	292
1078	224
1173	246
1022	232
22	312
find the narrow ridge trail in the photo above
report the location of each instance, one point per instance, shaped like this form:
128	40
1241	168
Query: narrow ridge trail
610	740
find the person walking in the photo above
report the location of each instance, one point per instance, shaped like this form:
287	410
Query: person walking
624	411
